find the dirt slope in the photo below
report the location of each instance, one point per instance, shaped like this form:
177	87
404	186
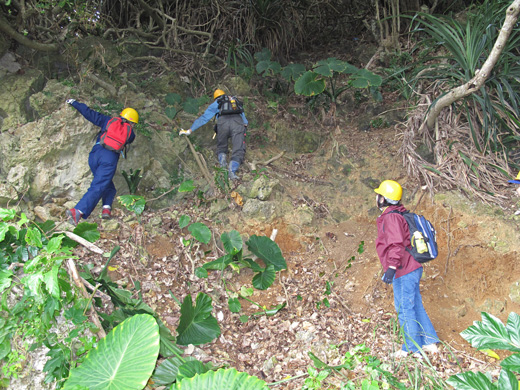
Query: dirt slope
475	269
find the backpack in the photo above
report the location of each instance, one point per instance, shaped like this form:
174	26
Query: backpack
116	135
229	105
423	239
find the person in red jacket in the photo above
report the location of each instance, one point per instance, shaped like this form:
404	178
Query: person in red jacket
403	271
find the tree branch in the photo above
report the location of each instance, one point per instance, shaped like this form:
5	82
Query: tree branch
6	28
480	75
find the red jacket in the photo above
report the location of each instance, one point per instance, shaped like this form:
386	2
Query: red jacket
393	236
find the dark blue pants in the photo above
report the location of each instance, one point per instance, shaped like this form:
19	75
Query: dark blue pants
103	164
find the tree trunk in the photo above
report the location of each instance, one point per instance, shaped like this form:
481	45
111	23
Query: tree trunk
481	75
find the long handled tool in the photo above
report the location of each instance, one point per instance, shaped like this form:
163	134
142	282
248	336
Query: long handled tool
201	163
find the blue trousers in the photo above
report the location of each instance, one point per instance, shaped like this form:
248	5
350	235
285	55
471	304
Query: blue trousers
415	323
103	164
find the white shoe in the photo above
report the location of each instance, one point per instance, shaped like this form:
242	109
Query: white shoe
399	354
418	356
431	348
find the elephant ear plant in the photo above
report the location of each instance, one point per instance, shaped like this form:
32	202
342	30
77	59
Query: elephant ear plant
262	247
124	359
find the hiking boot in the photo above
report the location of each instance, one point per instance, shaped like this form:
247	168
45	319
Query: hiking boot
106	213
431	348
399	354
222	160
233	168
74	216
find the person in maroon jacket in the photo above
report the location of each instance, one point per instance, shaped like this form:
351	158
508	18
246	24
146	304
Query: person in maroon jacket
403	271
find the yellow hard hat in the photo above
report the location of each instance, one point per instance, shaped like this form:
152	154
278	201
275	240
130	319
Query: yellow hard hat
390	189
130	114
217	93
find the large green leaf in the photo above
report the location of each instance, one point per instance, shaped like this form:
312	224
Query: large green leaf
200	232
507	381
186	186
471	381
292	72
88	231
234	305
184	221
308	84
34	237
329	66
190	369
512	363
263	55
268	67
5	347
364	78
223	379
51	281
232	242
5	278
191	106
197	325
490	334
173	98
267	250
221	263
171	112
513	328
7	214
133	203
167	371
264	280
124	359
4	228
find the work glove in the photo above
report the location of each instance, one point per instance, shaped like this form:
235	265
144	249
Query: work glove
388	276
185	132
70	101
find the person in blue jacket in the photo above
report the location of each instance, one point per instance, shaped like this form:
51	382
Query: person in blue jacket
230	124
102	163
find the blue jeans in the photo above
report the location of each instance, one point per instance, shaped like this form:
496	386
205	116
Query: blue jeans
415	323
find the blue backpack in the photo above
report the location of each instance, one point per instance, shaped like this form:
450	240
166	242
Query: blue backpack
423	239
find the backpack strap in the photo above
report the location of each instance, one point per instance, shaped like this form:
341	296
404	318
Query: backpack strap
398	212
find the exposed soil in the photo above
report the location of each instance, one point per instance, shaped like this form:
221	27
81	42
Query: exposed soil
475	269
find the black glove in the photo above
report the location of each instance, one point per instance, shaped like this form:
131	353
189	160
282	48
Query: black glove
388	277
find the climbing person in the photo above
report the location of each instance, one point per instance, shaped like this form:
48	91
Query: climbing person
516	181
402	270
115	133
231	123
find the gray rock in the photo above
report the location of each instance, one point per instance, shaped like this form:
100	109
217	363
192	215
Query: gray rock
14	97
256	209
9	64
261	188
514	292
218	206
302	216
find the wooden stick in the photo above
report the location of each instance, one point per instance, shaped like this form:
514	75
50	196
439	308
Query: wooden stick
205	172
254	163
85	243
97	293
73	272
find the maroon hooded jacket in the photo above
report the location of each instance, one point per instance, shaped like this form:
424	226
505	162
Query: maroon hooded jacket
393	236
